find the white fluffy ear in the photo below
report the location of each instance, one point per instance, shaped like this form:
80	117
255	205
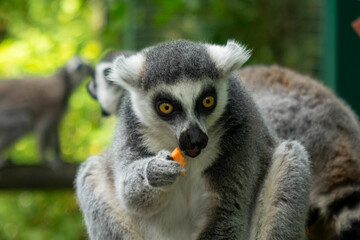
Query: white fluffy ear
127	71
230	57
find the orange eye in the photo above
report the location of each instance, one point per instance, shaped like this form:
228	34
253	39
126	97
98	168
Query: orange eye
166	108
208	102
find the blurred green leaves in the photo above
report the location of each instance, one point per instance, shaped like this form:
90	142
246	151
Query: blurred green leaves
37	37
40	35
40	215
278	31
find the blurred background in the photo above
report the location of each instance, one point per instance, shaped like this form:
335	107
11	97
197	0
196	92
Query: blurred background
37	37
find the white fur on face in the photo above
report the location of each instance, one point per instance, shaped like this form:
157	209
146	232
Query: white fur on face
162	135
107	94
191	200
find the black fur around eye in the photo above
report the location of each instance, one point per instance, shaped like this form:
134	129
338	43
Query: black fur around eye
166	107
206	103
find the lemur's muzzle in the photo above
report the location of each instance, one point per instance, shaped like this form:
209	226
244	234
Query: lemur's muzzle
192	141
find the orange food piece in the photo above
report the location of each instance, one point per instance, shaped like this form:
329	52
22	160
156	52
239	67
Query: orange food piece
178	157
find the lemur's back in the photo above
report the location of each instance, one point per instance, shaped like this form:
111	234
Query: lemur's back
35	94
38	104
298	107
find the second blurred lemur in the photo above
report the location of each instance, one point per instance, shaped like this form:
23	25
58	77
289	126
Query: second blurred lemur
103	90
38	104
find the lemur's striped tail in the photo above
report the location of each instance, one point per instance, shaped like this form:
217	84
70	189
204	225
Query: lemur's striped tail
339	220
335	194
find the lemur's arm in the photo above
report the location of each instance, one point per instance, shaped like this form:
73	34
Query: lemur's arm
142	185
283	202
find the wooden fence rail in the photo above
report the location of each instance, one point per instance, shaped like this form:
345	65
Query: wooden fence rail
37	177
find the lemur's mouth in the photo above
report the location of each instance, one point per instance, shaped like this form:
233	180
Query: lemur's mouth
193	152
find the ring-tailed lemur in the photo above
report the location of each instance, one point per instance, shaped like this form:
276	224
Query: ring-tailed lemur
104	91
298	107
38	104
242	182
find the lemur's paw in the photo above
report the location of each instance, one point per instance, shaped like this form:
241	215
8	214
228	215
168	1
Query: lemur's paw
162	170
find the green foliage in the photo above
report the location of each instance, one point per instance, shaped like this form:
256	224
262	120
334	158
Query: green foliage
85	126
40	215
280	31
39	36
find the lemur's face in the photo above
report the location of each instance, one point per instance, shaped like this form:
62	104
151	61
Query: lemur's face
183	113
179	90
78	69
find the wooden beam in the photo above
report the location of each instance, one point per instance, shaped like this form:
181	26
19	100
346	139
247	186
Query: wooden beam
37	176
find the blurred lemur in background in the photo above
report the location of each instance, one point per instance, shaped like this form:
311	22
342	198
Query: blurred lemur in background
104	91
38	104
298	107
242	182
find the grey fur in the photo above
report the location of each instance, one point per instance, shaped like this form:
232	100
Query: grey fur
161	170
166	63
298	107
135	191
38	104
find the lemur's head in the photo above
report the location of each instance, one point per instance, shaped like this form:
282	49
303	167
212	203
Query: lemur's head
179	88
104	91
77	70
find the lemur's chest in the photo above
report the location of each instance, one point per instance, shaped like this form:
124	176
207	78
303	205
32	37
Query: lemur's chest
192	200
186	213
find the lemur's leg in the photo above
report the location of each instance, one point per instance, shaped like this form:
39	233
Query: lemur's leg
55	144
47	136
95	190
283	202
13	125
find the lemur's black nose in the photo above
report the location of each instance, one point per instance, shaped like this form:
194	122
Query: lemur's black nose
193	138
